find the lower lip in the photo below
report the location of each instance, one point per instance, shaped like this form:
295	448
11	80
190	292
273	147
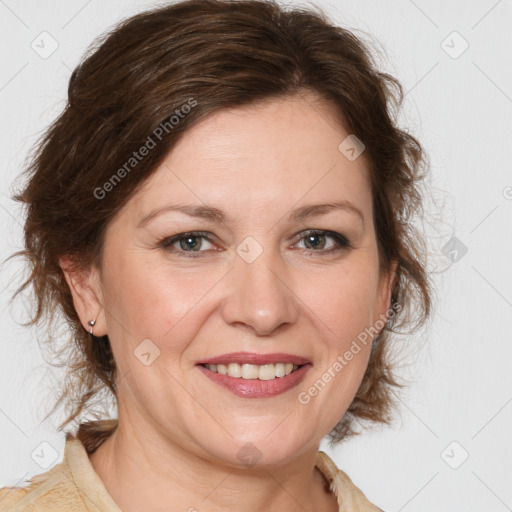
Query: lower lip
255	388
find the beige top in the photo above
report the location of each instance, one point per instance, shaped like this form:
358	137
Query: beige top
74	485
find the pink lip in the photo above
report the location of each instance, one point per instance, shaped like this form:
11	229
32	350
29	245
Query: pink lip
255	388
253	358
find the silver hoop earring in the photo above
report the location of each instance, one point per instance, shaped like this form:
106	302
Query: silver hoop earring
91	324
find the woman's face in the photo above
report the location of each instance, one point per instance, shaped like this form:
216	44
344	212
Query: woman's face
259	282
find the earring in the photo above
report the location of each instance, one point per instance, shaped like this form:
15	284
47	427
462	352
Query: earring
91	324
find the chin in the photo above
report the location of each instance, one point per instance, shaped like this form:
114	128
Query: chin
257	451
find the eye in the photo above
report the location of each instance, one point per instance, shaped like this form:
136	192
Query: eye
315	239
188	243
191	244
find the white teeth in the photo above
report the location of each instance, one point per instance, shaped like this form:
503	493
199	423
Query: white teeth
267	372
253	371
249	371
280	370
234	370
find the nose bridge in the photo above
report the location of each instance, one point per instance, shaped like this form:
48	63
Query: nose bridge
258	295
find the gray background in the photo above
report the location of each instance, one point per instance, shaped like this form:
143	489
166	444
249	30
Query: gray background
449	449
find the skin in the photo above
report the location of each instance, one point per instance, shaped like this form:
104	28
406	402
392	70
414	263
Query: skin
179	433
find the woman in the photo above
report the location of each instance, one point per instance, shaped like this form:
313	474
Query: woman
223	212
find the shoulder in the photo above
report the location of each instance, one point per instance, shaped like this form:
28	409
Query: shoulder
70	485
49	491
349	496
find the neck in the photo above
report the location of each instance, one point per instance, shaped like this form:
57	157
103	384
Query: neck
149	473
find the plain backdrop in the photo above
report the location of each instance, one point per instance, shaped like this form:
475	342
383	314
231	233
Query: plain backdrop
449	449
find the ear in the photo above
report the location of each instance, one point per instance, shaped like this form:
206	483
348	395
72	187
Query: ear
85	286
384	292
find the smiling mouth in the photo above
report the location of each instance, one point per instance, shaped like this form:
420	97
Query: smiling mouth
254	371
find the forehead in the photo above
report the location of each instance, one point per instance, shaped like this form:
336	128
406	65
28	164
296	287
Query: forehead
277	152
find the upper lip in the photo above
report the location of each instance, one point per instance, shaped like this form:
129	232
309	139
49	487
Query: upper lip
254	358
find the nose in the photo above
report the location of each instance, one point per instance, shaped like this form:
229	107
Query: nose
259	296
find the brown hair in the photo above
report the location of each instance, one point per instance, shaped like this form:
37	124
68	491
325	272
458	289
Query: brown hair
210	55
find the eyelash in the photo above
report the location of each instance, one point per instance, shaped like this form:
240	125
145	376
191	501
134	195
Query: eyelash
166	243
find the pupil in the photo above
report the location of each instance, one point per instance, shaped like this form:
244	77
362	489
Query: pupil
312	238
193	244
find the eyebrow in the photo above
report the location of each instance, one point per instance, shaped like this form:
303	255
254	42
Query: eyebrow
215	215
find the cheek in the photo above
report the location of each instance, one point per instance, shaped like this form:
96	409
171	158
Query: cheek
343	302
157	302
